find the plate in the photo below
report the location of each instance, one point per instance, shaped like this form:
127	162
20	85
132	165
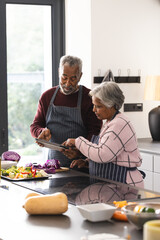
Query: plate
103	236
24	179
96	212
62	169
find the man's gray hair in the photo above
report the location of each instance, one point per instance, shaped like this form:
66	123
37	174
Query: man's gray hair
71	61
109	94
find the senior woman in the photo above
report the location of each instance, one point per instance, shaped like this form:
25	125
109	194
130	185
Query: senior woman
114	153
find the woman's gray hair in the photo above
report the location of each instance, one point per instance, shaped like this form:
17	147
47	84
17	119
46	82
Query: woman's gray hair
71	61
109	94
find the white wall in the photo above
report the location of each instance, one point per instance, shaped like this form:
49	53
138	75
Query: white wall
124	35
78	34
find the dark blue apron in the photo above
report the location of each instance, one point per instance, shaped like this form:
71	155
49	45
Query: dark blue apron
108	170
64	122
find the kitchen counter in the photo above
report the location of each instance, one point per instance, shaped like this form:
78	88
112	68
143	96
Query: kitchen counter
150	153
17	224
149	146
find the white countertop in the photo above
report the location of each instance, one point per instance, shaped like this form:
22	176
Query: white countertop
17	224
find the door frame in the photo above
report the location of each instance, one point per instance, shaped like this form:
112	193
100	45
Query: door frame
58	50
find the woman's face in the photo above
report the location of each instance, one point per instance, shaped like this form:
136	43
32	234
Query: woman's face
101	111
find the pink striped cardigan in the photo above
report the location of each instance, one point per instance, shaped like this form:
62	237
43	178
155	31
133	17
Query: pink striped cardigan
117	144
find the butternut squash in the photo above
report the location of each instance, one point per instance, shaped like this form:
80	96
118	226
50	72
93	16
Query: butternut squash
32	194
56	203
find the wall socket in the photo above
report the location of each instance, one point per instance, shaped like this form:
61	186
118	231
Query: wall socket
133	107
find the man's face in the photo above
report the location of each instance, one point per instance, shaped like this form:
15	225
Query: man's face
69	78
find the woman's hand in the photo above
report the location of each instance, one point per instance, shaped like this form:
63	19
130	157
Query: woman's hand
79	163
45	134
72	152
70	142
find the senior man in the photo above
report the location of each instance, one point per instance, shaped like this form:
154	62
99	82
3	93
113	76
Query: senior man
65	111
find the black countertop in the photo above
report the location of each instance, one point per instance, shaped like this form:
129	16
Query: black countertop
80	188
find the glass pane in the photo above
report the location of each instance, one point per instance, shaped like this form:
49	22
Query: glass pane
29	73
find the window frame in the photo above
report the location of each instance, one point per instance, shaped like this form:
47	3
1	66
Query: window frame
58	50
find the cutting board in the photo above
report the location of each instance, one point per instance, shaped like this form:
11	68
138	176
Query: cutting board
62	169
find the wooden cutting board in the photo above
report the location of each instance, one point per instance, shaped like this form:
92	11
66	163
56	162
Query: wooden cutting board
62	169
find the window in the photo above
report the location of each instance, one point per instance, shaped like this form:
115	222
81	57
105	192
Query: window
32	30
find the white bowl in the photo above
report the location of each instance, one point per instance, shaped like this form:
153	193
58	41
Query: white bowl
96	212
7	164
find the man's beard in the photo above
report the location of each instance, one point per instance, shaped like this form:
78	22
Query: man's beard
69	89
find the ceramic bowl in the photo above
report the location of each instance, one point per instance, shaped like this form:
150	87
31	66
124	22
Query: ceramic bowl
7	164
139	218
96	212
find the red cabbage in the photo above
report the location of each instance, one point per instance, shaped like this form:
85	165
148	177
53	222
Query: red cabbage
52	163
10	156
49	166
50	170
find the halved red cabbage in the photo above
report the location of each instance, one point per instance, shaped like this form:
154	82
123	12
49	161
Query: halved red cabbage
49	166
52	163
10	156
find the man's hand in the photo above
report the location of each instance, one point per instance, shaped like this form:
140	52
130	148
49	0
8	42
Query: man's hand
45	134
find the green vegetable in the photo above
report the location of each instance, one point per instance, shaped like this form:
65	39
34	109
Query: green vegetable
4	173
148	210
28	168
30	175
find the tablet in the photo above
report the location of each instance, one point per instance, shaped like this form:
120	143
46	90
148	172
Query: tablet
51	145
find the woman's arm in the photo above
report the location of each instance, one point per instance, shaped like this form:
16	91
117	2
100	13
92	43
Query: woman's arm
114	138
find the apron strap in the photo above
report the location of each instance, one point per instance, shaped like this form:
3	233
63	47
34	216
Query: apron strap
54	95
79	97
51	102
143	174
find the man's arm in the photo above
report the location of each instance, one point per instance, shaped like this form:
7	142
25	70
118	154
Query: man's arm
39	122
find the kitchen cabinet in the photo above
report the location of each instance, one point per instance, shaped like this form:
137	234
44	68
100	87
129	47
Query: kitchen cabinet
150	152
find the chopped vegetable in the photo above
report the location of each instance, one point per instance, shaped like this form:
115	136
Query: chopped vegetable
143	209
120	204
118	215
148	210
11	175
138	208
22	172
43	173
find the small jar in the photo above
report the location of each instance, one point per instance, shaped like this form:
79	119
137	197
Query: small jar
151	230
